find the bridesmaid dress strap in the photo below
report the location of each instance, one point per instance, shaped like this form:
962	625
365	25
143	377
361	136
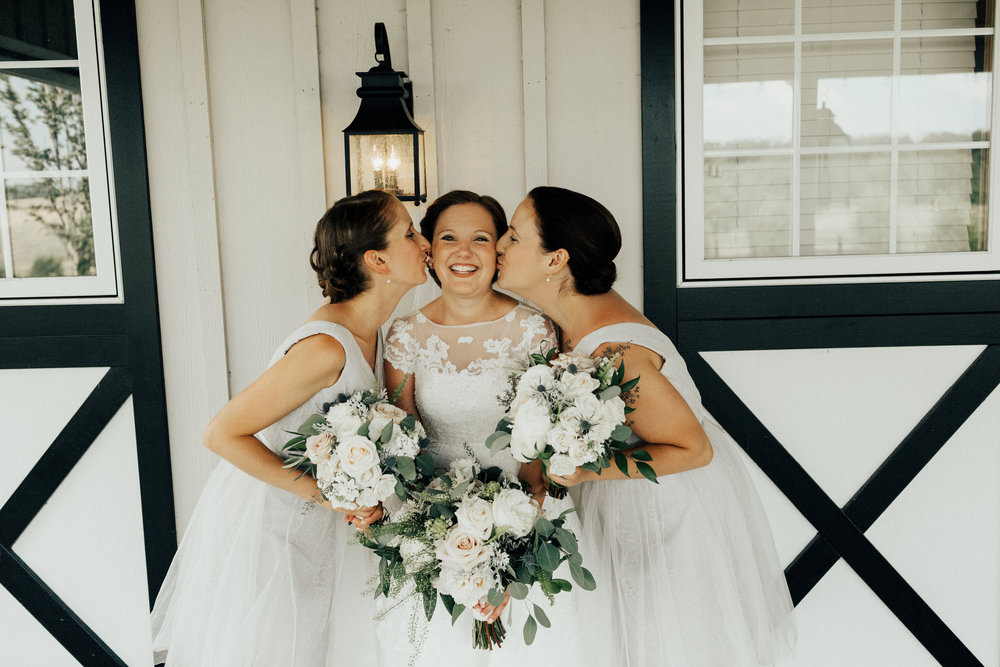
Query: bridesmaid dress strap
337	331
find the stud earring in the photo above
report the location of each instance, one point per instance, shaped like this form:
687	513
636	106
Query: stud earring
388	280
548	279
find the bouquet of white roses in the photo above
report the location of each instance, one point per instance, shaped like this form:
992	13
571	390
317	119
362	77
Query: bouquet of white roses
469	536
361	449
568	411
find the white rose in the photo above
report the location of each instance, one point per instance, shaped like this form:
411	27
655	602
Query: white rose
561	464
563	436
589	407
344	420
381	415
475	515
357	454
327	470
537	378
384	487
461	549
415	554
366	498
613	411
579	453
581	361
319	447
527	437
577	384
514	510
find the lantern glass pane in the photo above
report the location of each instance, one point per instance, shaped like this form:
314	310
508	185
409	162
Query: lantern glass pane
383	162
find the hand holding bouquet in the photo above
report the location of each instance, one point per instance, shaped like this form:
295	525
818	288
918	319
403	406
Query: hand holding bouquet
469	536
361	449
567	411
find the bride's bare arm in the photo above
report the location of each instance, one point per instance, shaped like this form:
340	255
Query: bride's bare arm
310	365
394	378
661	419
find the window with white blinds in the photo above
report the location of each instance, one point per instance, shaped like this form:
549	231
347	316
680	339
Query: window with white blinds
837	138
57	228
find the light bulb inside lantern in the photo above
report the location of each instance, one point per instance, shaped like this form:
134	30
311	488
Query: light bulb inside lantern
377	161
393	160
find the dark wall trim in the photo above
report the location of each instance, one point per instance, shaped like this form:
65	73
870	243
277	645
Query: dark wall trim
63	351
659	164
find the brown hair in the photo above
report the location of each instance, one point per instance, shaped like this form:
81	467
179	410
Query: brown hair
352	225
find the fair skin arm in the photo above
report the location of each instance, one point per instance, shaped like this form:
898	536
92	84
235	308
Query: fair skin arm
662	420
309	366
393	378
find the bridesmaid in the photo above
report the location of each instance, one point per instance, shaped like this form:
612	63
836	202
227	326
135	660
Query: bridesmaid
687	573
254	578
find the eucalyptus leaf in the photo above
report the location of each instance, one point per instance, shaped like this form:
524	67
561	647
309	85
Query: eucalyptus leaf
386	434
563	584
575	558
621	433
497	441
582	577
426	464
544	527
567	540
543	620
400	490
406	468
548	557
530	628
609	393
495	597
517	590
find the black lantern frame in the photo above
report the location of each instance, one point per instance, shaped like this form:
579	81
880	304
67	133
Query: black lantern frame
383	146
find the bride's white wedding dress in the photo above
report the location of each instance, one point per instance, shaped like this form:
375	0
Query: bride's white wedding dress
687	573
254	580
458	373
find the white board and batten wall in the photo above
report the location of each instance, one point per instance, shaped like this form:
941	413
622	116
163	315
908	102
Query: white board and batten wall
244	107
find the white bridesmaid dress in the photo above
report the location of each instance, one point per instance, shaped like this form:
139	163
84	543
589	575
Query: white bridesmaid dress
262	578
687	573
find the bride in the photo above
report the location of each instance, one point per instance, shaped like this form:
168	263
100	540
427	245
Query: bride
253	581
686	569
455	355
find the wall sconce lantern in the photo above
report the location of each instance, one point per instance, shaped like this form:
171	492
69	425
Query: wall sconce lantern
384	148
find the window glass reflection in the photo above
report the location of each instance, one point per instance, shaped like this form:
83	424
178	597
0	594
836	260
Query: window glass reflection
51	227
748	207
748	18
41	121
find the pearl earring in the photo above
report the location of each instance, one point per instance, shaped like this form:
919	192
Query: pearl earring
548	279
388	280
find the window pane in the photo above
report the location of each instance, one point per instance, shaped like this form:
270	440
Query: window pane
938	15
829	16
748	97
845	204
41	120
748	211
942	201
942	96
51	228
37	30
745	18
846	92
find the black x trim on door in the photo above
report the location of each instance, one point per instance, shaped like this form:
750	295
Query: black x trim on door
840	531
26	502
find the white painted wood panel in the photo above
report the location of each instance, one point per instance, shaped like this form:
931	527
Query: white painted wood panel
185	234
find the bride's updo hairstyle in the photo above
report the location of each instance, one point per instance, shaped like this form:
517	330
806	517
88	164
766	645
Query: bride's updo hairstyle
585	229
454	198
352	226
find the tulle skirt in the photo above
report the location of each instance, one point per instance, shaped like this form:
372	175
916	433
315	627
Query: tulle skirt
263	578
687	574
406	639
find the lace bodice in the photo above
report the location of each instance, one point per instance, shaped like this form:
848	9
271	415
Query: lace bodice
458	372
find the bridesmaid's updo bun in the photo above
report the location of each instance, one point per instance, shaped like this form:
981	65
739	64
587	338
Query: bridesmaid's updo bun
352	226
454	198
585	229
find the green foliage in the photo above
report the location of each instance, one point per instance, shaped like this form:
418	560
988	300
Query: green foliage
46	267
